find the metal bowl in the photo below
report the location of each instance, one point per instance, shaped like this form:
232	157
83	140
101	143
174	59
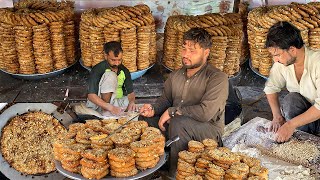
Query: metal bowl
38	76
140	175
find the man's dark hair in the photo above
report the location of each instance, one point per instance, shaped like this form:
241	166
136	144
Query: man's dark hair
200	36
113	46
283	35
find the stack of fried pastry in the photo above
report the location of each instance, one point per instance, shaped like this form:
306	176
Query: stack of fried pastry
153	45
94	163
122	162
42	48
97	41
145	154
111	34
84	33
8	55
184	170
214	172
170	43
70	156
231	64
37	50
209	144
221	27
70	41
23	38
134	132
314	38
101	142
154	135
58	45
218	51
217	162
83	136
237	171
121	140
121	23
143	39
186	163
135	146
129	45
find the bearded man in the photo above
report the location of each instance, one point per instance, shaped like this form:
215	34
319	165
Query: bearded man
297	68
192	105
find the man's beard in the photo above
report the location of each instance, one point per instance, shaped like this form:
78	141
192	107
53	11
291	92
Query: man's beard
292	60
114	66
192	66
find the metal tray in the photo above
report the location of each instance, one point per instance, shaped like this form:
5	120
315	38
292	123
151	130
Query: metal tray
38	76
134	75
256	70
141	174
21	108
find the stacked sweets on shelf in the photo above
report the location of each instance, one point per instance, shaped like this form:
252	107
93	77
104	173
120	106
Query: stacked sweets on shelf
305	17
134	26
37	37
227	40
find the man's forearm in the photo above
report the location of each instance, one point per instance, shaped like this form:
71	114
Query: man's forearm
131	97
311	115
274	104
99	102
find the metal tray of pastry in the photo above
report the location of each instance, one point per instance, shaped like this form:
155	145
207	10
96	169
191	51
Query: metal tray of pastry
38	76
134	75
140	174
256	70
21	108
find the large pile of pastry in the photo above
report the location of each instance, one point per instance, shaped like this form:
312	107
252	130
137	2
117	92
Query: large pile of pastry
305	17
37	36
227	36
134	26
26	142
204	160
87	149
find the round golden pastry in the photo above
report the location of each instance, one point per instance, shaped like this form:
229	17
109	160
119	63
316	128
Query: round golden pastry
70	164
124	174
92	164
122	169
235	173
94	172
186	167
210	142
210	176
214	169
74	149
75	169
98	155
259	170
122	164
194	177
121	154
251	161
200	170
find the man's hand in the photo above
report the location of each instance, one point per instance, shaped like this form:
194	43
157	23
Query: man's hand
276	123
163	119
115	110
284	132
147	110
132	106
